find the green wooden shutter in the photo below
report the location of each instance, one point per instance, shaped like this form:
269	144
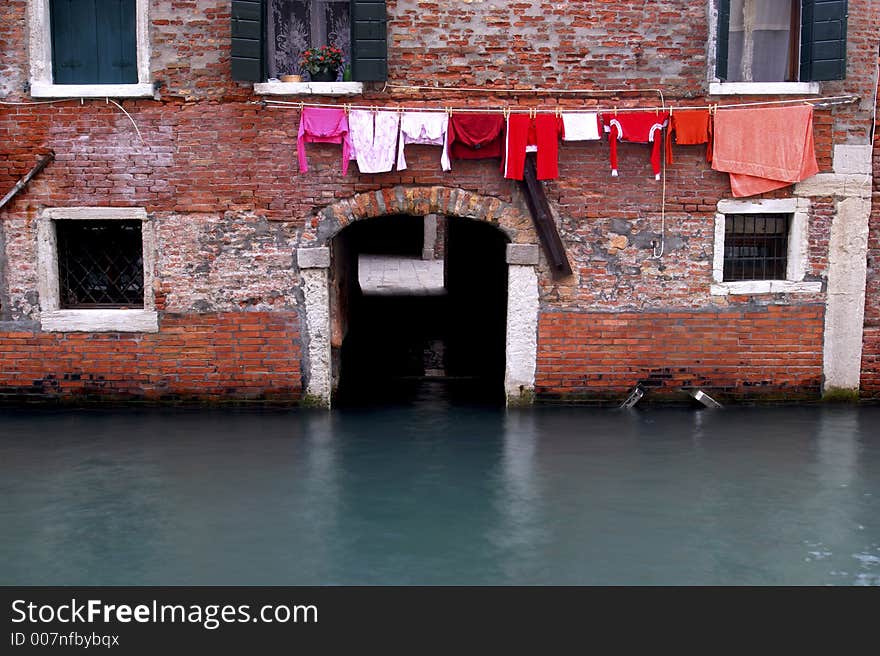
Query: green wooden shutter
823	40
722	40
369	41
93	41
117	41
248	40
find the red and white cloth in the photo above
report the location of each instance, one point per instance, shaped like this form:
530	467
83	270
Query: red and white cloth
636	127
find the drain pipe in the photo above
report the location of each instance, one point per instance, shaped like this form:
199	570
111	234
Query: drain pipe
21	184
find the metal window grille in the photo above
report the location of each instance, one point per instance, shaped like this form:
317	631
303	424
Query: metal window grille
100	264
756	246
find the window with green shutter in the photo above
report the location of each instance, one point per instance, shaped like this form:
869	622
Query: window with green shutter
268	36
93	41
781	40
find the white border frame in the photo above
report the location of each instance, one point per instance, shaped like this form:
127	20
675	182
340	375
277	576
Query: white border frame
40	52
798	248
52	317
719	88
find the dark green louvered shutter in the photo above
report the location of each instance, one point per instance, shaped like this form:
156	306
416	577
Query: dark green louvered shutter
248	29
369	41
94	41
722	40
823	40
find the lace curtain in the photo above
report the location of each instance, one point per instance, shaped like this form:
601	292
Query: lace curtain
760	37
295	25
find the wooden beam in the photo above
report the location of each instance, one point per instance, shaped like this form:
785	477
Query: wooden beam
539	207
21	184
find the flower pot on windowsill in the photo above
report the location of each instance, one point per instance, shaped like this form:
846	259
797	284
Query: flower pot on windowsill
324	75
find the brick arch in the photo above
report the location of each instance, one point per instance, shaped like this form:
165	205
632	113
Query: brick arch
419	201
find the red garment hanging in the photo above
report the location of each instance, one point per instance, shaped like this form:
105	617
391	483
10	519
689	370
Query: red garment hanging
691	127
475	136
636	127
541	132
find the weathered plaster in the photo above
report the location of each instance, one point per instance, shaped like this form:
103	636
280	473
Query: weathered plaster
522	334
316	291
845	308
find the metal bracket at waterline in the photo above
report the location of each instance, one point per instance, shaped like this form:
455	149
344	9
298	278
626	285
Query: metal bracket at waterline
21	184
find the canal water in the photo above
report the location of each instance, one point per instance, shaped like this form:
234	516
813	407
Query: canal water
440	493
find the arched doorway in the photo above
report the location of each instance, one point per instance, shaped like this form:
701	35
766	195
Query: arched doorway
418	306
484	310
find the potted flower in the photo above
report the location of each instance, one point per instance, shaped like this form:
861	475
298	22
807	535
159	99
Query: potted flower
322	63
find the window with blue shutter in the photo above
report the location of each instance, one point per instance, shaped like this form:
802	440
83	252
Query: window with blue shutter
781	40
93	41
269	36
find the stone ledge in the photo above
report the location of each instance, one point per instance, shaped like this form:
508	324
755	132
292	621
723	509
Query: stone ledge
100	321
750	287
313	258
835	184
526	254
309	88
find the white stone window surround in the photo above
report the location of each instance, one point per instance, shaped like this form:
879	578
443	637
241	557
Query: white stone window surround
52	317
41	80
309	88
719	88
798	248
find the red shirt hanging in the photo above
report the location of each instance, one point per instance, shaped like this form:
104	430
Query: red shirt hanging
636	127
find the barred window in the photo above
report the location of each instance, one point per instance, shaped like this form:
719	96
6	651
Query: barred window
756	246
100	264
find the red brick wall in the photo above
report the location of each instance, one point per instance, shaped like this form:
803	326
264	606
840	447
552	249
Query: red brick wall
772	352
217	172
207	357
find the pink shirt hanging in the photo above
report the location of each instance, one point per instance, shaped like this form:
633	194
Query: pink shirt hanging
323	125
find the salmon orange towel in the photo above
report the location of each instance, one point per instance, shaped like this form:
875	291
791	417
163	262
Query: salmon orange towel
764	148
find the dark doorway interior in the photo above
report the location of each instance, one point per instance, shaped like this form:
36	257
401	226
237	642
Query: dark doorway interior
404	323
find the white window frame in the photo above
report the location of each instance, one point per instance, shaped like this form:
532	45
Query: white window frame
52	317
719	88
797	256
277	88
41	80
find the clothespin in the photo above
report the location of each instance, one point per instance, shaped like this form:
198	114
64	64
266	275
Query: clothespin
301	105
449	111
558	112
346	108
506	112
533	112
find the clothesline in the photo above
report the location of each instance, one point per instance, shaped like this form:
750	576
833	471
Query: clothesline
825	101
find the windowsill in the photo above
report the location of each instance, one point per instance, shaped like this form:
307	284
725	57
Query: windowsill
49	90
100	321
750	287
762	88
309	88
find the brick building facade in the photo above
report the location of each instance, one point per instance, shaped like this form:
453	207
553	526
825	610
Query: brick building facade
243	302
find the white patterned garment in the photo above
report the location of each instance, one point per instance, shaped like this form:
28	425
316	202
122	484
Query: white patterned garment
374	137
427	128
580	126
